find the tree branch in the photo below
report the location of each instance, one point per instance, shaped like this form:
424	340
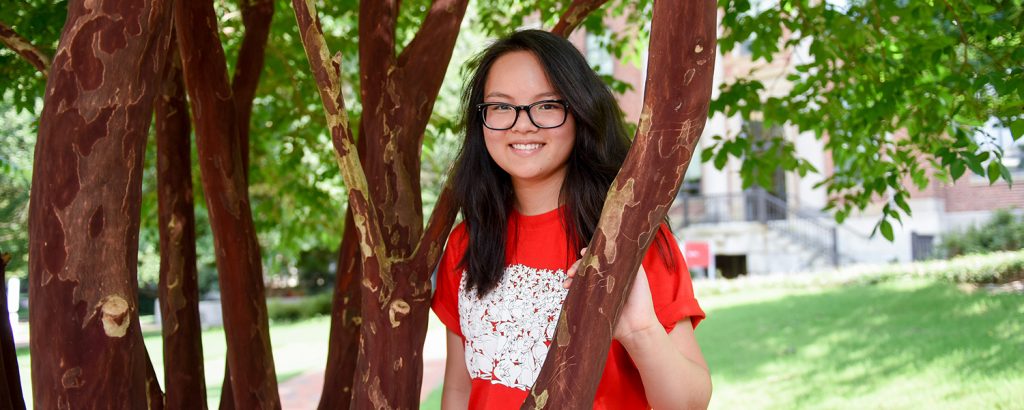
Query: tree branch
424	61
376	49
327	75
25	49
256	17
574	15
428	249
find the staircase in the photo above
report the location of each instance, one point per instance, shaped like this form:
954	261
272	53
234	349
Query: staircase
795	240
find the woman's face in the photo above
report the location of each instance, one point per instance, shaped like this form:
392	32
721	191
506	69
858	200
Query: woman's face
530	155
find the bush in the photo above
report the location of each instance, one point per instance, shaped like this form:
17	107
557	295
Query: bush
1003	232
296	309
996	267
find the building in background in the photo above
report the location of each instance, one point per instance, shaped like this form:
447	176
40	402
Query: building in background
781	228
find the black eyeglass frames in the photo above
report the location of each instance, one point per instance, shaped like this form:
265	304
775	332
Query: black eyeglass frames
543	114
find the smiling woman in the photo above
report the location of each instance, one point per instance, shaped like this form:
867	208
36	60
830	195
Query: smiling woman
543	141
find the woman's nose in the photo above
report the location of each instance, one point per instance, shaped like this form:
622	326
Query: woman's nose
523	124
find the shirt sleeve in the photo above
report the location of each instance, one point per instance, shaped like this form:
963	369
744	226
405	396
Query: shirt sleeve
446	296
671	286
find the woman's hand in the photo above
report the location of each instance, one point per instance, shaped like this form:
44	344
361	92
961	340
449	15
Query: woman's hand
638	312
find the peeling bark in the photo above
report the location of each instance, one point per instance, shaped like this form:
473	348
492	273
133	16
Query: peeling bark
179	284
86	195
250	357
573	16
25	49
680	70
11	395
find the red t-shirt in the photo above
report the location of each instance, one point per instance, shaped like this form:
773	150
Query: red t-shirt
506	334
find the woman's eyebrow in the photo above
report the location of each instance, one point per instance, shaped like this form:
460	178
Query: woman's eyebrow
497	94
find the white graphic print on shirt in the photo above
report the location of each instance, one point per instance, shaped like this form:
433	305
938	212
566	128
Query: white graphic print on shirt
509	330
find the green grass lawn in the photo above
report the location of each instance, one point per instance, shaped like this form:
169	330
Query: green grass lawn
298	347
902	344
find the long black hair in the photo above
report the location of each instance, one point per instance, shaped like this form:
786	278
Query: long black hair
483	191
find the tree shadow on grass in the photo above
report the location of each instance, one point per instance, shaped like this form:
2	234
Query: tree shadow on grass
857	340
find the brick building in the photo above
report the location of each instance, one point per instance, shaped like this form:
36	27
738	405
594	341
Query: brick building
782	228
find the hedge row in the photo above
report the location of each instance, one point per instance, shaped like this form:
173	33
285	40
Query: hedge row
293	310
996	267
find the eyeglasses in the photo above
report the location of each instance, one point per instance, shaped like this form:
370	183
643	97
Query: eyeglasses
543	114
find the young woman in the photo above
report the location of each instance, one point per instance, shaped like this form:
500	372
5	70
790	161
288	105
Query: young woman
544	140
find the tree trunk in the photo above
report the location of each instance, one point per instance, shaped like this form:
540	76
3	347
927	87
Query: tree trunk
343	343
84	214
179	288
256	19
680	71
11	395
250	357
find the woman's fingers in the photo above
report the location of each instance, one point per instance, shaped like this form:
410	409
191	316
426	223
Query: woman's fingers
572	269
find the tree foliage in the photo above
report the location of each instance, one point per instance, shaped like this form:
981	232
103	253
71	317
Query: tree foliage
897	90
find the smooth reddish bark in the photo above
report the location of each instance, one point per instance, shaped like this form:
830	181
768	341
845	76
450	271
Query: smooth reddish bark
256	18
179	285
680	70
84	215
250	357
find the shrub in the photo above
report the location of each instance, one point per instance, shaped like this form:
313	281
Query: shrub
1003	232
296	309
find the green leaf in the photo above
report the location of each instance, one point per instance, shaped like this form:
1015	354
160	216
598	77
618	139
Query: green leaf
974	164
720	158
985	9
901	201
957	168
1005	173
886	229
707	153
993	172
1017	129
